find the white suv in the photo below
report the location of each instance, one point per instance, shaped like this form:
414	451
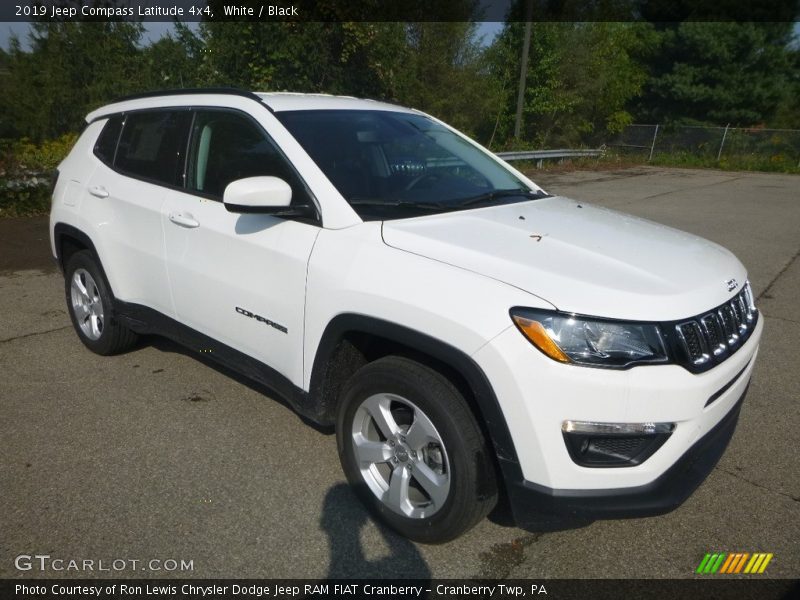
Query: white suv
468	334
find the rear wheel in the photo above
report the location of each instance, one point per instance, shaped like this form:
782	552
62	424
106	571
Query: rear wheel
410	446
90	307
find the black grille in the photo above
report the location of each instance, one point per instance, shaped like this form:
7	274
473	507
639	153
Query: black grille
620	446
708	339
692	338
715	335
729	324
612	450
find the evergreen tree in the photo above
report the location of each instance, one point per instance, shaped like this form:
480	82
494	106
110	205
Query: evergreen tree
71	68
717	73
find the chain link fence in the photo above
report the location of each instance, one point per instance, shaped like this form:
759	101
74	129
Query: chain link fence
754	148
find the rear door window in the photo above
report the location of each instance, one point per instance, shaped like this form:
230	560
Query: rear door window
153	144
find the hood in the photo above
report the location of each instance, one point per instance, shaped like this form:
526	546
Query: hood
580	258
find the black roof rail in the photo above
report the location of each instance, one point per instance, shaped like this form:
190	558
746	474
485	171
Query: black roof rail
183	91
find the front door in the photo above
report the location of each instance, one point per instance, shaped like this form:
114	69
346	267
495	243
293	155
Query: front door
238	278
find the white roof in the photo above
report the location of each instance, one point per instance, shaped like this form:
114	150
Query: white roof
282	101
276	101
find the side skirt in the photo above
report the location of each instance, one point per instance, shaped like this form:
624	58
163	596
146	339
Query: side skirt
144	320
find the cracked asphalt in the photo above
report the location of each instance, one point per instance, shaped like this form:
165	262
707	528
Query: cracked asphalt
156	454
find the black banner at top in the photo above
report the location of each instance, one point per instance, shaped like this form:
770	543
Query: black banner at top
397	10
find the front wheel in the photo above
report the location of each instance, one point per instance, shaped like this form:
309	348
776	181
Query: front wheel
410	446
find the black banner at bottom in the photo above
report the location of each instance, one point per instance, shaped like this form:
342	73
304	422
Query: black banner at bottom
409	589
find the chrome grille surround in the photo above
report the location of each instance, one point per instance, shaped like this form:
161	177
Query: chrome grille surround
710	338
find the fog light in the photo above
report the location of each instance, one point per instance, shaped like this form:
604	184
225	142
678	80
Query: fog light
593	444
617	428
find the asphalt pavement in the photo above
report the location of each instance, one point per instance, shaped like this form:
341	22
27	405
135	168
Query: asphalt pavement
156	456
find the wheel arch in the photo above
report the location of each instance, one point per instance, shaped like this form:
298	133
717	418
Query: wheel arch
69	240
352	340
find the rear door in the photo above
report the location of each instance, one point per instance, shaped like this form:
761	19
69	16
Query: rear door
125	195
238	278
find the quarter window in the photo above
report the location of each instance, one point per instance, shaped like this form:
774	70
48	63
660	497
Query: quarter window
152	145
107	141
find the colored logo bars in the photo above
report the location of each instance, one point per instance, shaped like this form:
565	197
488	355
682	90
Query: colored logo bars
734	562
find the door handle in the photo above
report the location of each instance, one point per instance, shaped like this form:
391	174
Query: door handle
184	220
99	191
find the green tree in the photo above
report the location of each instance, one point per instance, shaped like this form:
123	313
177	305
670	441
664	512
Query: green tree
70	69
6	128
445	73
436	67
717	73
580	78
787	114
337	57
174	61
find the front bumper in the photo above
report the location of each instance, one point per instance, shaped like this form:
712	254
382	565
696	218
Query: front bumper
537	395
529	501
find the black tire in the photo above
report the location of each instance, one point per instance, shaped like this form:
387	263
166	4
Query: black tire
423	397
108	336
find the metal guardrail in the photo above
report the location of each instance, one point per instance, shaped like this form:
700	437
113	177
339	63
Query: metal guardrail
539	155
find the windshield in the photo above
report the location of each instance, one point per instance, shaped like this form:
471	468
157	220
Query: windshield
395	164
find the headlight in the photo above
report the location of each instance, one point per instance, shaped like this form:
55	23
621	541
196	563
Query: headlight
590	341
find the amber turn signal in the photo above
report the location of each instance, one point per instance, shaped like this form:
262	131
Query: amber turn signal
537	334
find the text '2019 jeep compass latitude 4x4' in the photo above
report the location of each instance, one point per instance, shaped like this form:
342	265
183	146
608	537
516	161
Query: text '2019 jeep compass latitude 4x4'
464	331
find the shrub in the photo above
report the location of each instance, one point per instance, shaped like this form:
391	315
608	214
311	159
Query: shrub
25	174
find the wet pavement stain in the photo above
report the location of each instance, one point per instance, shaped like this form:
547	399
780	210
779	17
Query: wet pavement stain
196	398
500	559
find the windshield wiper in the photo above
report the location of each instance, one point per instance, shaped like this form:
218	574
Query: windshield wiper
398	203
489	196
448	206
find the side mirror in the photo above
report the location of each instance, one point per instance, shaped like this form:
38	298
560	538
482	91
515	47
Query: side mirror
266	195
